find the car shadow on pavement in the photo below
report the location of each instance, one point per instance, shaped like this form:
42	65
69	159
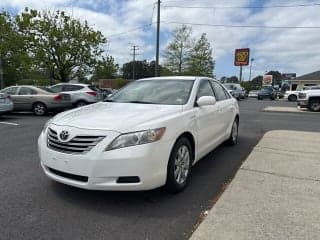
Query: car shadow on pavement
208	179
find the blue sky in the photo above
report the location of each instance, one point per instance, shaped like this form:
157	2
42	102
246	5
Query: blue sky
286	50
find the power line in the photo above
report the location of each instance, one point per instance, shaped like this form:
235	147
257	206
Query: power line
242	26
244	7
130	30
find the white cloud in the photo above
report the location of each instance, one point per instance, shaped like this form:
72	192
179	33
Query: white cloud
287	50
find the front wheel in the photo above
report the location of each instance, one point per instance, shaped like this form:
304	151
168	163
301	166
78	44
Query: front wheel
39	109
233	139
179	166
292	98
314	105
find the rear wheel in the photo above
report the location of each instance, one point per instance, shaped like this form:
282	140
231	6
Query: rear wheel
179	166
39	109
81	103
314	105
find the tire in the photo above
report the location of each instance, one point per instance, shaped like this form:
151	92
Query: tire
233	139
292	98
314	105
39	109
81	103
179	166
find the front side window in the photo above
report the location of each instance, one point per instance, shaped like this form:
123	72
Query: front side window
219	92
162	91
204	89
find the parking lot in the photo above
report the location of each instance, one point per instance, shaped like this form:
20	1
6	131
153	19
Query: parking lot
34	207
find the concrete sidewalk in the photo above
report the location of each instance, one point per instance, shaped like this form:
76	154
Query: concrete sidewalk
287	109
274	195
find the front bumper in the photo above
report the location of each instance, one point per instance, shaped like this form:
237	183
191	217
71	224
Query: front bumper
303	103
101	169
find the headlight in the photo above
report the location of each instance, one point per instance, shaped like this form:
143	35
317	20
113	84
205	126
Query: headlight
302	95
136	138
46	125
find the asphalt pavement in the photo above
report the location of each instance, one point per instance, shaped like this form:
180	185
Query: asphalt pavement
34	207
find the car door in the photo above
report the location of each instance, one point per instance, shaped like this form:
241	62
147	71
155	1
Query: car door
25	98
226	108
12	91
208	120
74	91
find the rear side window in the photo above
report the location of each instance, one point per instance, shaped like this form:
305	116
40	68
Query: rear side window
10	90
219	92
68	88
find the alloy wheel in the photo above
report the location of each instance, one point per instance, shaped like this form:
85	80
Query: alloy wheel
39	109
181	164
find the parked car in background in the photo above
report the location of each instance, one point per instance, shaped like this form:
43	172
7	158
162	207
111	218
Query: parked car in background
105	92
6	105
81	94
291	96
267	92
235	89
253	94
244	93
36	99
310	99
147	135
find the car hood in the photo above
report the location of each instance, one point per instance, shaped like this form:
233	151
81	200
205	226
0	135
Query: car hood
120	117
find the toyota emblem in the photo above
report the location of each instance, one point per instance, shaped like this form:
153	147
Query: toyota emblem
64	135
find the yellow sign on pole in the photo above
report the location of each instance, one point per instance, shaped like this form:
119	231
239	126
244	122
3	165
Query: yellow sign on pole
241	57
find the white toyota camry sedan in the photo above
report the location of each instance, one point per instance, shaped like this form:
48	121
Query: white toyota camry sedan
146	135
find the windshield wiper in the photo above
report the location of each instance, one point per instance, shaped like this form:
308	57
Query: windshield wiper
108	100
142	102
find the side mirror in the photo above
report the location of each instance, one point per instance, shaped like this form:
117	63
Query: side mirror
206	101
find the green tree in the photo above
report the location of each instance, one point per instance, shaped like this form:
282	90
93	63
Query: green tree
177	51
200	61
106	68
60	44
14	60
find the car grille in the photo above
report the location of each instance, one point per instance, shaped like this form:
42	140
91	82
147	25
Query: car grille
77	145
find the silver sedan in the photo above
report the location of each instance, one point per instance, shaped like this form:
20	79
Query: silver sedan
36	99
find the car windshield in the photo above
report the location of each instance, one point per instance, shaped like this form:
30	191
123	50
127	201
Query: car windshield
266	89
168	92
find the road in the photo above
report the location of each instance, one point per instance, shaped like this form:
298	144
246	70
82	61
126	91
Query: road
34	207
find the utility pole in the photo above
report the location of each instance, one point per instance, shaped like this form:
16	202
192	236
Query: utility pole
251	60
134	49
157	73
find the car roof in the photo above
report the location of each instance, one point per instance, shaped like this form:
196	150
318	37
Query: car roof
190	78
78	84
